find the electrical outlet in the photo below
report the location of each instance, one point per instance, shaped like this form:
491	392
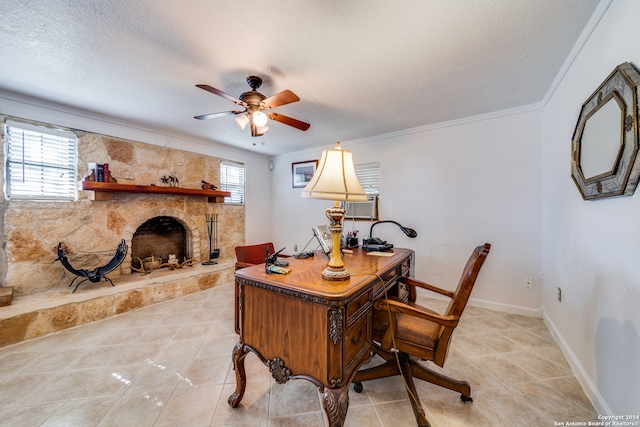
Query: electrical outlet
295	247
559	294
528	282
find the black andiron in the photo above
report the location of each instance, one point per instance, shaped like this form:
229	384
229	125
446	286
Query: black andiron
94	276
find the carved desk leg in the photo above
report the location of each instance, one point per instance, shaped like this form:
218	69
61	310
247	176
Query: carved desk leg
335	402
239	353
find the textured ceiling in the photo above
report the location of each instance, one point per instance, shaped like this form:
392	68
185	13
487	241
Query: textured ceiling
361	67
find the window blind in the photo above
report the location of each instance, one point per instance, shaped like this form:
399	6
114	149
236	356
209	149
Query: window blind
369	177
40	163
232	179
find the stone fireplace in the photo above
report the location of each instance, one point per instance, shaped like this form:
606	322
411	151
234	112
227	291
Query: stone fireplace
161	233
161	237
91	229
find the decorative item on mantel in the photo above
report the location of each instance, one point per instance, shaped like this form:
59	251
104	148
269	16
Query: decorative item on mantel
208	186
171	180
99	172
212	229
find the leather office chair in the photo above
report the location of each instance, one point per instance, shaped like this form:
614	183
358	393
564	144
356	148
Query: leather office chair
246	256
416	333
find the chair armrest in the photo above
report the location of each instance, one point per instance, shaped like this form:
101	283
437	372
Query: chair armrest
424	285
395	306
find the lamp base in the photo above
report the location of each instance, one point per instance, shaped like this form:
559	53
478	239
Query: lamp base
335	273
335	268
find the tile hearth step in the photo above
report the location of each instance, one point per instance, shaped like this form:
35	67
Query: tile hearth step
40	314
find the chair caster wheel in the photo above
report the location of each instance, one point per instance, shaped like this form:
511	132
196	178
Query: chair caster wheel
464	398
357	387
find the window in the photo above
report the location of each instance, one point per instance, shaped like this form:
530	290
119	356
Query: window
232	179
369	177
40	163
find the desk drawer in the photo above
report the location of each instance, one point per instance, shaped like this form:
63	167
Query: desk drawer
390	275
358	305
355	340
389	279
405	267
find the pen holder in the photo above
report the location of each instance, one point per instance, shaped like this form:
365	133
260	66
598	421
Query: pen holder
352	242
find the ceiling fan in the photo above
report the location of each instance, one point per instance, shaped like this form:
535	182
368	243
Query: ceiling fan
254	104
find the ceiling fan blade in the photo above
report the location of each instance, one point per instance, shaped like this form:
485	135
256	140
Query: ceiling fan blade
222	94
282	98
289	121
216	115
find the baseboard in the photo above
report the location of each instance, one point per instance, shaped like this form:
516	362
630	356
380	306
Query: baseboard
590	390
585	382
507	308
489	305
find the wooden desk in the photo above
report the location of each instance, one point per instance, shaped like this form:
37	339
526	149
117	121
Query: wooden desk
302	326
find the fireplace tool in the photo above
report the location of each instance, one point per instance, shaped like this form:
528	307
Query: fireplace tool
212	228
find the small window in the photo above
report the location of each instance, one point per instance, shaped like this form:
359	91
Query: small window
369	178
232	179
40	163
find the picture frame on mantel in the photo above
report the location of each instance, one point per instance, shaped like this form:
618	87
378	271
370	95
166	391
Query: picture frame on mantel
302	172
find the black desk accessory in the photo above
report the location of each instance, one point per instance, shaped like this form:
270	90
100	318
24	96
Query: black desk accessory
272	265
376	244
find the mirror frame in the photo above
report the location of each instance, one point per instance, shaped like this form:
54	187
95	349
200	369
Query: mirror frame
622	87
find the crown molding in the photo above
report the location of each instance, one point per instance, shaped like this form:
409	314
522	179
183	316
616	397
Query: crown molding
419	129
593	22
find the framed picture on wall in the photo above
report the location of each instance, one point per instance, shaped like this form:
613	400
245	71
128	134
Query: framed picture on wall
302	172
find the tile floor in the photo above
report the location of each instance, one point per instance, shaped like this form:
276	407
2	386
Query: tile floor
170	365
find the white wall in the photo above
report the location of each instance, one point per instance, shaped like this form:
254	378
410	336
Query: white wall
258	185
592	248
459	185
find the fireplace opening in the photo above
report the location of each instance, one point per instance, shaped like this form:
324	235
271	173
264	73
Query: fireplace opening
159	237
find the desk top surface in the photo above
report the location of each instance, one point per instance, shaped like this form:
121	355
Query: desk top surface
306	274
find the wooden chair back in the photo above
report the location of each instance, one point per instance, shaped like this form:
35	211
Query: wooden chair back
467	280
459	300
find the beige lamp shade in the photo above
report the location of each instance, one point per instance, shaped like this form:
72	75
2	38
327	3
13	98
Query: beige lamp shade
335	178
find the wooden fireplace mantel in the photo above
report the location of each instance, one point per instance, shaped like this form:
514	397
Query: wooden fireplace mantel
105	190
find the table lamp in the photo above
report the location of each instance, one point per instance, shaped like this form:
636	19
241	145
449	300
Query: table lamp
335	179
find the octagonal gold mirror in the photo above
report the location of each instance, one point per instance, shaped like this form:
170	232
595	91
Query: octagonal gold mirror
605	140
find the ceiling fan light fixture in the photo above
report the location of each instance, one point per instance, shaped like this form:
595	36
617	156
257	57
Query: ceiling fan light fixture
259	118
242	120
253	103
